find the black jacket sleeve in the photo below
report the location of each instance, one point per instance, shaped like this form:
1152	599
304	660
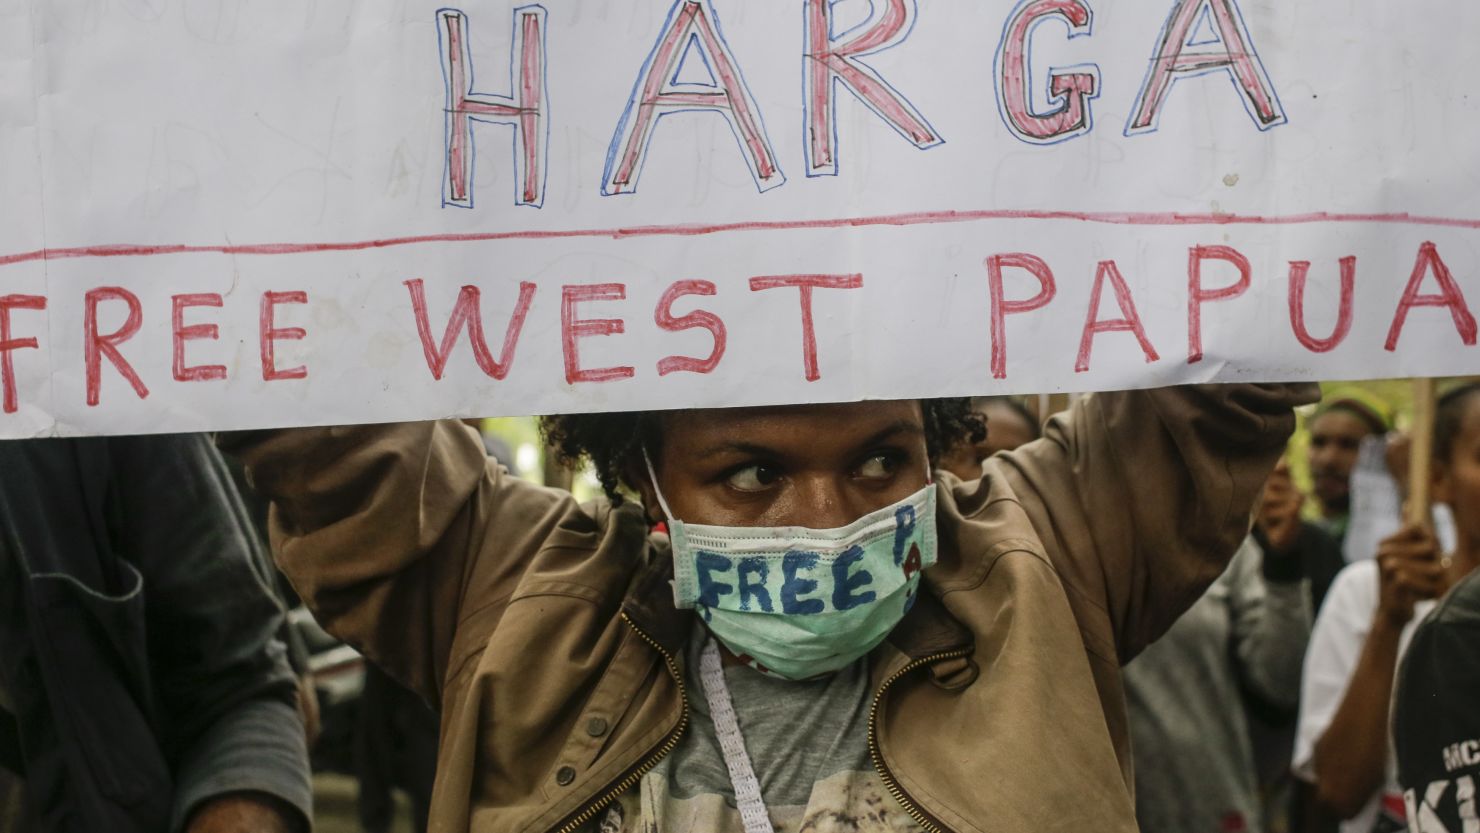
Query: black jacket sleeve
221	675
1436	723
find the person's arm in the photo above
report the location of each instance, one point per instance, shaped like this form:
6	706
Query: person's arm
379	528
1335	644
1350	758
231	733
1351	754
245	813
1142	497
1316	552
1270	610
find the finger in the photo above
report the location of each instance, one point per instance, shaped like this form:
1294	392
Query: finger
1403	601
1428	570
1417	566
1389	567
1420	571
1415	552
1413	532
1421	587
1407	534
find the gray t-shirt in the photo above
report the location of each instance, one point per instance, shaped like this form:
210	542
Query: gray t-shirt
808	745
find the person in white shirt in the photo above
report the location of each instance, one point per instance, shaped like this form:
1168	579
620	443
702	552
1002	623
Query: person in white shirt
1343	746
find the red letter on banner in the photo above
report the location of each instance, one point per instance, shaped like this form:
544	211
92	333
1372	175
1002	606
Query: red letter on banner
524	110
182	333
692	31
1299	270
807	283
1449	296
1197	296
1130	323
467	313
1001	307
1204	36
831	59
572	329
697	319
272	334
8	344
96	346
1072	90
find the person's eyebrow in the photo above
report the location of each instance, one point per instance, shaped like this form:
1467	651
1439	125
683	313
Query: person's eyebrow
902	428
734	447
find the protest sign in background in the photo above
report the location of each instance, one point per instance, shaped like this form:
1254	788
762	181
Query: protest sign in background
225	214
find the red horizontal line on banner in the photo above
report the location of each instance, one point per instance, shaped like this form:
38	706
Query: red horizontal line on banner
921	218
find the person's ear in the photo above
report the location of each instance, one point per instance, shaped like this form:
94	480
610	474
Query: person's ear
637	477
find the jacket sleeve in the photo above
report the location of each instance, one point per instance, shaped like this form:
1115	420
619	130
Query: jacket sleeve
221	675
1141	497
379	528
1270	610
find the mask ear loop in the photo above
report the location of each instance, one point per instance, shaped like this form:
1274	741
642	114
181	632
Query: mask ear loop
653	478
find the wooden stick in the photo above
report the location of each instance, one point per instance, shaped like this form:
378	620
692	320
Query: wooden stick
1421	454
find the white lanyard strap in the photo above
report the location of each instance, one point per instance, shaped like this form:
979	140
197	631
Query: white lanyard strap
742	777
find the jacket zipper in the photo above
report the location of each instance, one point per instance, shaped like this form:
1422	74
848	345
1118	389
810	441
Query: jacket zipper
631	778
914	810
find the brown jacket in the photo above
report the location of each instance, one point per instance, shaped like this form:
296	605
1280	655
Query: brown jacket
547	632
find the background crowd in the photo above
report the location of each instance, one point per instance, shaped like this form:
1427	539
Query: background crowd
200	696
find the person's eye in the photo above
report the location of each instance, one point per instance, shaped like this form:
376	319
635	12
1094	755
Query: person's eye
754	478
879	467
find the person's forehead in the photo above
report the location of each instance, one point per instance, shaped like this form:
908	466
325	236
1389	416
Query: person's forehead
846	416
1339	421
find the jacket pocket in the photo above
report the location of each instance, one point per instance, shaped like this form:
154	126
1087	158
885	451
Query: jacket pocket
94	664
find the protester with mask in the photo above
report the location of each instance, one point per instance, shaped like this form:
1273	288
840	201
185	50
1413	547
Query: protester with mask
1009	425
827	635
142	687
1365	627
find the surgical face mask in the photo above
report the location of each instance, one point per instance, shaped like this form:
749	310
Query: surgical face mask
796	602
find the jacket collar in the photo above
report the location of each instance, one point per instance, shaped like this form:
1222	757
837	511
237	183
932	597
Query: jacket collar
929	629
649	603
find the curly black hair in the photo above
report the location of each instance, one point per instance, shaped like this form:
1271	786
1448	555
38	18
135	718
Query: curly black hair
613	442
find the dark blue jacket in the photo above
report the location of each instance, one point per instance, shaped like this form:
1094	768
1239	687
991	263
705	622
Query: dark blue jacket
137	629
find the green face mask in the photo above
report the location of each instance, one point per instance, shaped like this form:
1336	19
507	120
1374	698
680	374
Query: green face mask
799	603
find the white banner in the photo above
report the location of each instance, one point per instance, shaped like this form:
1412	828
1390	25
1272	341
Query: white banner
226	214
